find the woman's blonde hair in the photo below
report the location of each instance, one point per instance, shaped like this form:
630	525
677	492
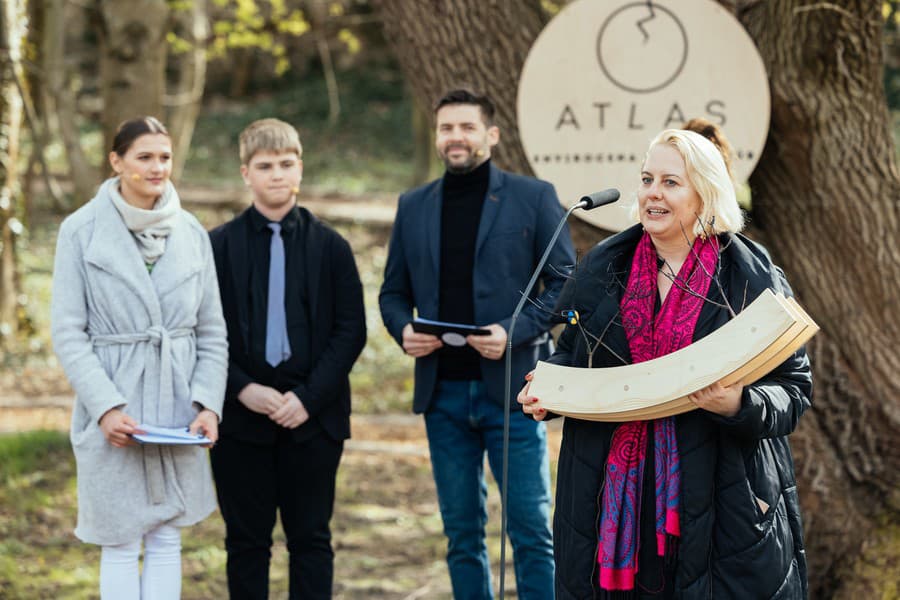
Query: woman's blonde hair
708	173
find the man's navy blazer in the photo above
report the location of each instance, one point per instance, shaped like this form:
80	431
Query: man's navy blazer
518	219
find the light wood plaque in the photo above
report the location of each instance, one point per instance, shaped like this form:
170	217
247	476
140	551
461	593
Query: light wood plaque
745	349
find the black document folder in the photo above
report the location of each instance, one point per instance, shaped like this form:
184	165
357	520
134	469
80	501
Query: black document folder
452	334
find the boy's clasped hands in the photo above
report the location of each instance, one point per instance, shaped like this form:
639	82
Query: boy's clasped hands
285	409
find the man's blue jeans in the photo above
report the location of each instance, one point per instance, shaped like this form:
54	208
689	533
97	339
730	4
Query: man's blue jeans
462	424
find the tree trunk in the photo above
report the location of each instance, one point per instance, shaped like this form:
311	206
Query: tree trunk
12	33
243	61
31	86
423	144
56	101
318	18
132	61
184	104
466	43
825	198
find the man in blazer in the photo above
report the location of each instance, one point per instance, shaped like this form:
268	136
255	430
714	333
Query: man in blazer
293	304
463	248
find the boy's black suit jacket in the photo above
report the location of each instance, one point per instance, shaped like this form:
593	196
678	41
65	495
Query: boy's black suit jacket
336	319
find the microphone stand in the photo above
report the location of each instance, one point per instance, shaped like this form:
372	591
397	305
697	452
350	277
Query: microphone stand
512	328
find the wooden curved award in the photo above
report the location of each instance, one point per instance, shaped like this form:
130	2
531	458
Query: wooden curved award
745	349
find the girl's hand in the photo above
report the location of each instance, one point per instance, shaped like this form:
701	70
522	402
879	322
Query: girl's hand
117	428
207	423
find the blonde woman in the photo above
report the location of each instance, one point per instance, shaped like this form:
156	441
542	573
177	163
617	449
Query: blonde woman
703	504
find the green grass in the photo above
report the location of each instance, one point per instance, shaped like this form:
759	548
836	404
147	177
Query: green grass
37	493
387	534
29	453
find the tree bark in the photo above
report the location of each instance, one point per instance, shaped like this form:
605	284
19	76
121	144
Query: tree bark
423	144
132	61
184	104
12	33
467	43
31	86
244	61
318	18
57	100
825	198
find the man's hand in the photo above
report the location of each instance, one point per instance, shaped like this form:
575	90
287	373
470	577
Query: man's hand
261	398
418	345
292	413
717	398
207	423
117	428
490	346
527	401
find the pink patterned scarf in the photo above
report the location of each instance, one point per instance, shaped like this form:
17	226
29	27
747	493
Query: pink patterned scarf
649	337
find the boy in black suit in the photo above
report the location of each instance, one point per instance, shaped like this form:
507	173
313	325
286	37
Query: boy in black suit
293	303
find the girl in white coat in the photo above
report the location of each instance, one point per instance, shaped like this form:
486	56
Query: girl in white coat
137	325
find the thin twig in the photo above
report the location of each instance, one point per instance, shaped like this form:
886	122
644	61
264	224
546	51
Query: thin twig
717	277
826	6
539	304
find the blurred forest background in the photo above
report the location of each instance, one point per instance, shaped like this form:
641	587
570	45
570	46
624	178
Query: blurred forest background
356	78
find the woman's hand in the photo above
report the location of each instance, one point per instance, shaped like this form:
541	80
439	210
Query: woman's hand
527	401
117	428
719	399
207	423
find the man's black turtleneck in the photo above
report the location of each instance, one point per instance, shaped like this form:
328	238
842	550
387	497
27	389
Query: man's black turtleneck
463	198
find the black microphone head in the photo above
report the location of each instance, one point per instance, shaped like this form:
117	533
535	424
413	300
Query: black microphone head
599	198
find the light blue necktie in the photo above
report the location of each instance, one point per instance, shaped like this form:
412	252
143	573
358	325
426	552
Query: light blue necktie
278	347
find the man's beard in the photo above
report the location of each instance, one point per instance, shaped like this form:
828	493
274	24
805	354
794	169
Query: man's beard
467	166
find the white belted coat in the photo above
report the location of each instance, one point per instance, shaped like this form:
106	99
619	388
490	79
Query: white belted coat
151	343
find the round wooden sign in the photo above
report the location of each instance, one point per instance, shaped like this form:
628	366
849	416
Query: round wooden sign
603	78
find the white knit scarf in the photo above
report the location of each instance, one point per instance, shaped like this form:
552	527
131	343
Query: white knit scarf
150	228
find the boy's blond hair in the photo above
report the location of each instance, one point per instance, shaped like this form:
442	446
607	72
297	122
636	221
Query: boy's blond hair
268	135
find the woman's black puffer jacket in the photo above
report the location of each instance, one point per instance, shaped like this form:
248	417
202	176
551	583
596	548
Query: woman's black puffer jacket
730	548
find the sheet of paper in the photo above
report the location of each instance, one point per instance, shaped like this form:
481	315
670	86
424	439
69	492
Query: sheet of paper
169	436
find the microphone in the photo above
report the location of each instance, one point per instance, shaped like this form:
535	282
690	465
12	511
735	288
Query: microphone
597	199
587	203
